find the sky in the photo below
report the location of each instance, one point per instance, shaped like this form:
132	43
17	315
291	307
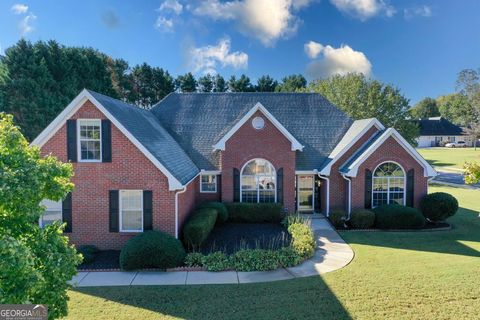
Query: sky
417	46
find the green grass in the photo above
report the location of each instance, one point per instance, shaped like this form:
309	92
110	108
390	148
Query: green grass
449	157
394	275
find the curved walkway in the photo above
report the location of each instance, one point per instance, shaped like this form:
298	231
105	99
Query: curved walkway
332	253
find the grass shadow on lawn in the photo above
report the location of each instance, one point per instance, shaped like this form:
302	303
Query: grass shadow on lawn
305	298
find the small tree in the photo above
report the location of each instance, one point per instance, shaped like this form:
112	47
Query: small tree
35	263
473	131
472	172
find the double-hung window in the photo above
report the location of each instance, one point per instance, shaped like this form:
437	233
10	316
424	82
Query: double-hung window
131	210
208	183
90	140
388	185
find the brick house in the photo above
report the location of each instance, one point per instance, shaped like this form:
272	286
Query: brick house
138	169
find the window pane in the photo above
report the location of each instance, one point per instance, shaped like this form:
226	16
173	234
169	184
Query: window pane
248	183
258	179
267	196
249	196
49	217
305	182
132	220
90	142
131	200
209	183
305	198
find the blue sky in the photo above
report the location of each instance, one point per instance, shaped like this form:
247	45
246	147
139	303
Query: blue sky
419	46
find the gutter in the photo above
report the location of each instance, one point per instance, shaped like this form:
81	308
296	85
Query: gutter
349	210
327	206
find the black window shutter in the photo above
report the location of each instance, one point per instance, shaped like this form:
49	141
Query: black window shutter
236	185
67	212
72	140
410	187
280	185
113	210
219	186
368	189
106	141
147	210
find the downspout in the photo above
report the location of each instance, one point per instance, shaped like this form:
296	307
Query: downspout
176	209
349	209
327	206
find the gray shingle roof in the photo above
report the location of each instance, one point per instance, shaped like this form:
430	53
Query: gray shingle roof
438	126
346	166
146	128
198	120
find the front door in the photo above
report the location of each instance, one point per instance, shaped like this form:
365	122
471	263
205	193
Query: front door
305	192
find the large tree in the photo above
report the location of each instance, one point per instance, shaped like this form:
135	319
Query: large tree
425	108
266	84
292	83
360	98
219	84
456	108
186	83
205	83
149	85
241	84
35	263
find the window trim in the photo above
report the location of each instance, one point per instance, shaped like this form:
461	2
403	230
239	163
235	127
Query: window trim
201	183
120	220
257	188
388	183
79	146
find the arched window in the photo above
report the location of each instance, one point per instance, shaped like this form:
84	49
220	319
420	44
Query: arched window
388	184
258	182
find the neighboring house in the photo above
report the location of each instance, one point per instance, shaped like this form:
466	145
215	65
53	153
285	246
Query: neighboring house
437	131
137	170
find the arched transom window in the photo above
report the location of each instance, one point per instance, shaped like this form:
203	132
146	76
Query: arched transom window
258	182
388	184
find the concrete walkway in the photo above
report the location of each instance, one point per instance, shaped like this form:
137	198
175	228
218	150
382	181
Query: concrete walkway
332	253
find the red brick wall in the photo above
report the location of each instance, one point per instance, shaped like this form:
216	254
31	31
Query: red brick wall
186	203
390	150
268	143
129	169
338	185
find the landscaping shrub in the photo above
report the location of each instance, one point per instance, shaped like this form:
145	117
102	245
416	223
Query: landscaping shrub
337	218
303	241
288	257
217	261
88	252
199	226
438	206
362	218
152	249
394	216
293	219
222	213
255	260
194	259
255	212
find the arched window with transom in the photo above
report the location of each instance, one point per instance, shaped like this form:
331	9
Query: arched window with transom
388	184
258	182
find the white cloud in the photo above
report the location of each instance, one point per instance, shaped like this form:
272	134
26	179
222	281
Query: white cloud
364	9
19	8
340	60
206	59
163	24
171	5
266	20
419	11
313	49
25	25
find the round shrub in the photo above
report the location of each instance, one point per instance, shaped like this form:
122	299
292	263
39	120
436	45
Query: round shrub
337	218
152	249
198	226
394	216
88	252
438	206
222	212
362	218
303	241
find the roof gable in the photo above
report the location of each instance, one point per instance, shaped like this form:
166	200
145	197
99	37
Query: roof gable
220	145
438	126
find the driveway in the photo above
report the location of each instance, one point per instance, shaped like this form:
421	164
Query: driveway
452	178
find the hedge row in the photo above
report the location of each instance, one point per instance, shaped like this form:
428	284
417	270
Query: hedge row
255	212
198	226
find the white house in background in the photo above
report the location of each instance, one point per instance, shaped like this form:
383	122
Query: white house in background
436	131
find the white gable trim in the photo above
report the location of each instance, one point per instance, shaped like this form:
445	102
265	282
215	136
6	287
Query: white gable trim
372	123
220	145
428	170
73	107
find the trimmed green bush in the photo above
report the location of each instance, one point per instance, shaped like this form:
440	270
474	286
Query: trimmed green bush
362	218
394	216
152	249
303	241
288	257
255	260
194	259
217	261
438	206
222	213
337	218
88	252
199	226
255	212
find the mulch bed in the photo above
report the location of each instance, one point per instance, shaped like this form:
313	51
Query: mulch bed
104	260
230	237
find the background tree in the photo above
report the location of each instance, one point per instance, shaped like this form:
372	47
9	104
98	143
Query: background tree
205	83
242	84
292	83
186	83
219	84
362	98
35	263
425	108
266	84
456	108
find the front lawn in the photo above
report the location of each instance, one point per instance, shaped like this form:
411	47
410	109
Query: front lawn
398	275
449	157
